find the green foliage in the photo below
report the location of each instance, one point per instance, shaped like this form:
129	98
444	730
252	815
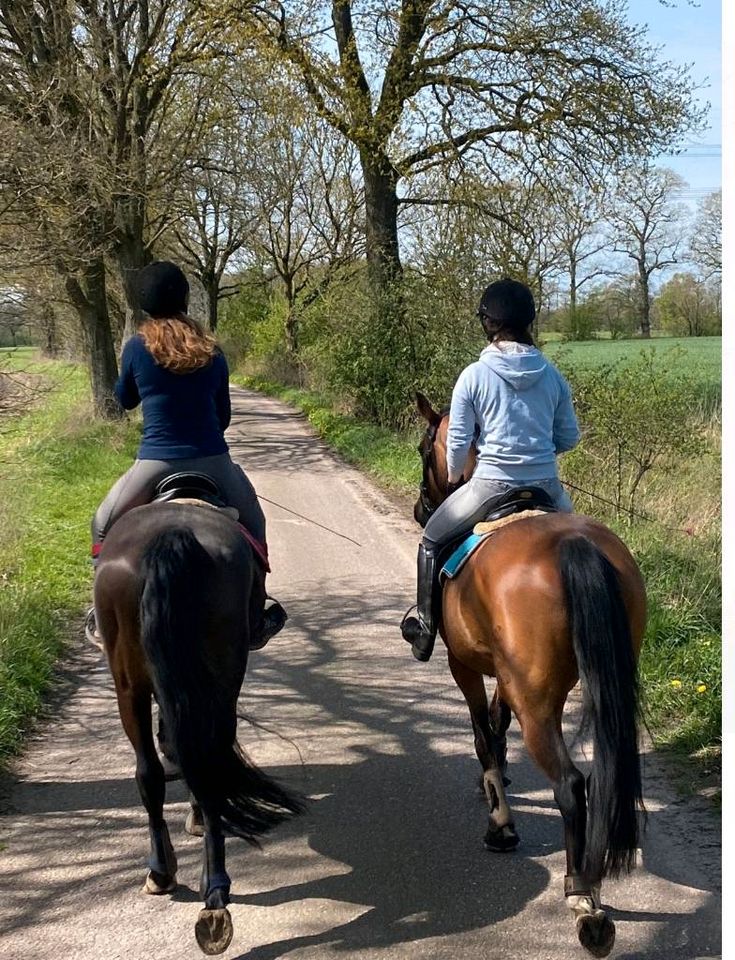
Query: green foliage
637	415
687	306
59	463
241	314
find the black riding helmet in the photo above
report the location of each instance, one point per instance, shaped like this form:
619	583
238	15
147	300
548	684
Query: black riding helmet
163	290
506	305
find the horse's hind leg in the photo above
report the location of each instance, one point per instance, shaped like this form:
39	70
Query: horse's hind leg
135	713
213	929
545	743
501	835
500	721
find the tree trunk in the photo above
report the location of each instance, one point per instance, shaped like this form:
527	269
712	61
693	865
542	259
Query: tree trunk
573	297
49	331
381	221
210	281
90	301
132	256
291	324
645	296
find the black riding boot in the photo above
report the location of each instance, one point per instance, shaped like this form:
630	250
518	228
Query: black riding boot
420	631
272	622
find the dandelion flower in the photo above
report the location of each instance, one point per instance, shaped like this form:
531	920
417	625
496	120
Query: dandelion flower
676	683
701	688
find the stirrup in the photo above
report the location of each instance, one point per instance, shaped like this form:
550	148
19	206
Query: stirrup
410	626
91	630
274	619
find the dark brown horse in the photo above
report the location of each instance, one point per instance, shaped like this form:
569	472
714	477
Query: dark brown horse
543	602
173	594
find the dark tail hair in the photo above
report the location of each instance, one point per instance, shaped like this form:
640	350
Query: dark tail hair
610	710
198	712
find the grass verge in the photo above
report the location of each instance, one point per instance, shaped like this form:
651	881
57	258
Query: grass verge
56	464
680	666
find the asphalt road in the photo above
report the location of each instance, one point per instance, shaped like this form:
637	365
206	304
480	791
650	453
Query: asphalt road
389	862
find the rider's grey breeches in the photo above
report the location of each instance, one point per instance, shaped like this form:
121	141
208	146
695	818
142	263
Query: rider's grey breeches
137	486
468	505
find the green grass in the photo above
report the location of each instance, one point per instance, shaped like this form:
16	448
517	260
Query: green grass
57	465
681	653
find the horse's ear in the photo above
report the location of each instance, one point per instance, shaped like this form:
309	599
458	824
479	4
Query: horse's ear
426	410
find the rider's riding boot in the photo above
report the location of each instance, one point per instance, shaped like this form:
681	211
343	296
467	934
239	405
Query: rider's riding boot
420	631
271	622
91	630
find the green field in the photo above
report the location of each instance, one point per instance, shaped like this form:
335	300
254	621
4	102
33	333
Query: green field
699	355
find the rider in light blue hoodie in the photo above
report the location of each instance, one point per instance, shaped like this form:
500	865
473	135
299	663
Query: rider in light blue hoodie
517	407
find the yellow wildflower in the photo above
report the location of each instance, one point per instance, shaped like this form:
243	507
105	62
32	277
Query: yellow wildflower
676	683
701	688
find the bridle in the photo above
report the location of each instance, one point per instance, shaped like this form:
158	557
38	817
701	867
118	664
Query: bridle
425	450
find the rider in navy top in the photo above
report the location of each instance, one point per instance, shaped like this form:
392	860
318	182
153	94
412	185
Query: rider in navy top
179	374
183	416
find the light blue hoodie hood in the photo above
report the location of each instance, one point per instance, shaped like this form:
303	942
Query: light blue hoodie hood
519	406
520	370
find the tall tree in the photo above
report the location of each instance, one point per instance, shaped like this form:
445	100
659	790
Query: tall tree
648	227
418	83
705	246
87	91
577	209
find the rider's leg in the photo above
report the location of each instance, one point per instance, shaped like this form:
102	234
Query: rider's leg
457	515
555	489
267	618
134	488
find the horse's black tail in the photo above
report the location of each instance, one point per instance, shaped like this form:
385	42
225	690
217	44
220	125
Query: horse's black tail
198	708
607	668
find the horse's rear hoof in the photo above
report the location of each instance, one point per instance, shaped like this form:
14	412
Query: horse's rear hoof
596	933
158	883
213	931
502	840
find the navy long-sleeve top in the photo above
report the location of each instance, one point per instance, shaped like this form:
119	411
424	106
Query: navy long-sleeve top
184	414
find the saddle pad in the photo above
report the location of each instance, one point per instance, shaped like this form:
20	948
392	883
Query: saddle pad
460	556
490	526
193	501
260	549
480	533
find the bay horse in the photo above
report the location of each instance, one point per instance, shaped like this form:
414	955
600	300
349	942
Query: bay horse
543	602
175	590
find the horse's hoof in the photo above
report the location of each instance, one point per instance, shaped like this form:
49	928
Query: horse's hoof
194	826
213	931
502	840
596	933
158	883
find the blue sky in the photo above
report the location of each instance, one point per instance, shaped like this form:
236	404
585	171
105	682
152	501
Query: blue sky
692	34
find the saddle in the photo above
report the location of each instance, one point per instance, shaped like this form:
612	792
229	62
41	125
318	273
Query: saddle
189	486
517	504
201	490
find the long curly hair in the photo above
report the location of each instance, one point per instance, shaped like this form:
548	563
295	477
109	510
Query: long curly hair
179	343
